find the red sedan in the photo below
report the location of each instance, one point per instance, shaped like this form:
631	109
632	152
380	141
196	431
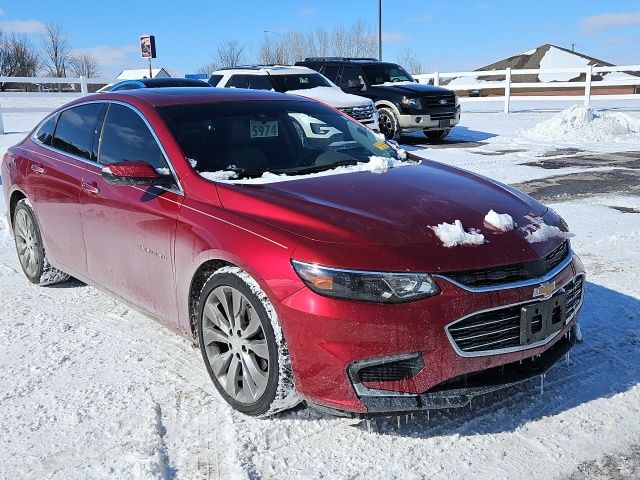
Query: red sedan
310	259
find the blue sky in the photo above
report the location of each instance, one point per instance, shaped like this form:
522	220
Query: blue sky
460	35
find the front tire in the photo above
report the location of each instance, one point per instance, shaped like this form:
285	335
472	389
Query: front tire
388	123
28	239
247	362
436	136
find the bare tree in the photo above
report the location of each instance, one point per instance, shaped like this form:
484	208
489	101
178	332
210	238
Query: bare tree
18	57
57	52
229	53
410	61
84	65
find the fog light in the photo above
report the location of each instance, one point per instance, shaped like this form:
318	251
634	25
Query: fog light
418	119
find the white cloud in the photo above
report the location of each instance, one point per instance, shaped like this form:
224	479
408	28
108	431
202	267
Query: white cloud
23	26
596	23
109	55
308	11
394	37
423	18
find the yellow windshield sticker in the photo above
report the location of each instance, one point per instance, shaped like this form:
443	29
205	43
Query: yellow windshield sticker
381	145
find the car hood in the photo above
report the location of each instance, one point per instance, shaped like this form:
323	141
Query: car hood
332	96
410	88
395	208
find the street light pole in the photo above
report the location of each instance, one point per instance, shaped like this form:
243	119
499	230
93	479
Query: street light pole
380	30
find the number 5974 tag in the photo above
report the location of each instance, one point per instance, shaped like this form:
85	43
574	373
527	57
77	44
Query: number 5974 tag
263	129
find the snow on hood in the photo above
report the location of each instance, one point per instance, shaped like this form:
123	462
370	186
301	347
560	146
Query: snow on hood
394	84
538	231
583	124
452	234
333	96
500	221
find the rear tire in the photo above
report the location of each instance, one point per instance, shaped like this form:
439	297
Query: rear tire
31	254
388	123
244	356
436	136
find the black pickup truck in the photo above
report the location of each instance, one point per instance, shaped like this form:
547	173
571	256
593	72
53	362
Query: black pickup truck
403	104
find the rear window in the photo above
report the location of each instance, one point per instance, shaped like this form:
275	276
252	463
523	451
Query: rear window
45	133
76	130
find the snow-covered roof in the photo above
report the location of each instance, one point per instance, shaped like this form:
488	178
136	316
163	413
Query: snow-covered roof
135	74
266	70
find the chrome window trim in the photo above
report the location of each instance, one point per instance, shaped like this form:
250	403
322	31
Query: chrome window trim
520	348
179	190
506	286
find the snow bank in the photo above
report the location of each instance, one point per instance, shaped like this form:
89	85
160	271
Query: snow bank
452	234
500	221
538	231
583	124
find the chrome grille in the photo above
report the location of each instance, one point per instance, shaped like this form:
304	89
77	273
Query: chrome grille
359	113
486	332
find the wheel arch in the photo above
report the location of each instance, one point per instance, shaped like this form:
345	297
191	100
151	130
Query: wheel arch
15	197
387	104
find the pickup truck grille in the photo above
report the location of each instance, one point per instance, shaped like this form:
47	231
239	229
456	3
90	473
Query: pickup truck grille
437	101
512	273
359	113
486	332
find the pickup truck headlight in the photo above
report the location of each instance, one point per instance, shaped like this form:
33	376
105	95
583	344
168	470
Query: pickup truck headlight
383	287
411	102
457	100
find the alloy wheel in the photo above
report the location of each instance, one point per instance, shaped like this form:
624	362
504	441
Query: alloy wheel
235	344
26	236
387	124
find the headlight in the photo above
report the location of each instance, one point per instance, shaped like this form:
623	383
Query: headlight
457	100
367	286
411	102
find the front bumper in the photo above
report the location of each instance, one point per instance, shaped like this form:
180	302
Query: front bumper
428	122
326	337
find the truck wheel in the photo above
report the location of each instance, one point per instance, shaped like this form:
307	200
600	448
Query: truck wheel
31	254
388	123
437	136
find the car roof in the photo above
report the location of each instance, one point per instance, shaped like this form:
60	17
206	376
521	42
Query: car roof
163	82
265	70
158	97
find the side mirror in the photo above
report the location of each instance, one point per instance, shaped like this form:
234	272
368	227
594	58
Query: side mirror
134	173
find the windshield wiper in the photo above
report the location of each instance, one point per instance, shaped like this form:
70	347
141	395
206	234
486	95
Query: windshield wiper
319	168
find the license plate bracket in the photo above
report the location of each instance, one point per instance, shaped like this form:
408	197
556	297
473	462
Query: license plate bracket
541	319
444	123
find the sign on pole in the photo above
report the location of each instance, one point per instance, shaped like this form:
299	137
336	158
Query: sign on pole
148	49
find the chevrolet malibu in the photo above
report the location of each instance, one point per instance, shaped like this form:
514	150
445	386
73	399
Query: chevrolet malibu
338	271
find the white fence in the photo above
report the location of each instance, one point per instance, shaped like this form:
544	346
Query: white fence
83	83
508	85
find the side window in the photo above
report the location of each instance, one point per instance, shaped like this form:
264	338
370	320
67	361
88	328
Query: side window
215	80
45	132
76	130
331	72
126	86
350	77
260	82
238	81
125	136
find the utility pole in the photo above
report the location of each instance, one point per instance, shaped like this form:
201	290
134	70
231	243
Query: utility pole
380	30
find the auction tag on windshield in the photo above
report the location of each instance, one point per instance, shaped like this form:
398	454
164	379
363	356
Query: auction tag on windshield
381	145
263	129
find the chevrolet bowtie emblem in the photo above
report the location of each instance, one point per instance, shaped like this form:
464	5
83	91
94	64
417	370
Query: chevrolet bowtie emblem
544	289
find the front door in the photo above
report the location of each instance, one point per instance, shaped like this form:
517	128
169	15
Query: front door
130	230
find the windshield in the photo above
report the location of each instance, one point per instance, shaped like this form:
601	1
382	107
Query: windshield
298	81
385	73
280	136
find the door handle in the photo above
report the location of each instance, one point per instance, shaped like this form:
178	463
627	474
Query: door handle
89	188
37	168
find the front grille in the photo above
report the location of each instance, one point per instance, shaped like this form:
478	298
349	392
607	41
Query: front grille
391	371
500	329
512	273
435	101
359	113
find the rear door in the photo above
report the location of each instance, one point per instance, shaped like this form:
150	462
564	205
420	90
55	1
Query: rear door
129	230
65	155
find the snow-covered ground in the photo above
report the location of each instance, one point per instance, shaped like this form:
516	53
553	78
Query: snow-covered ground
92	389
